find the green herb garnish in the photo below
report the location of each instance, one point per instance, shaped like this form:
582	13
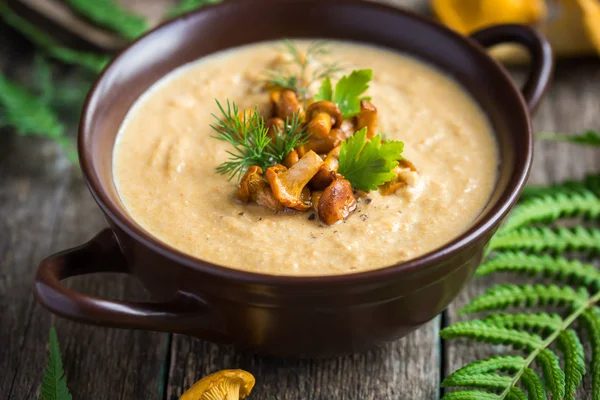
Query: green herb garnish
295	74
348	91
590	137
110	15
367	164
54	385
249	136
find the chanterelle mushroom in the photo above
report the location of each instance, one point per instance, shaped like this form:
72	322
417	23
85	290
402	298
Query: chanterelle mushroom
337	202
322	116
287	184
327	172
367	118
285	103
253	187
229	384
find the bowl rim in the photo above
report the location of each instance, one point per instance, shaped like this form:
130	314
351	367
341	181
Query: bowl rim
483	225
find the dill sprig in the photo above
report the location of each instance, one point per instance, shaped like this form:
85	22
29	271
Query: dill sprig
295	74
249	136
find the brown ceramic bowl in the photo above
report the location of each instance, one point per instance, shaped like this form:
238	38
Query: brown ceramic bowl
278	315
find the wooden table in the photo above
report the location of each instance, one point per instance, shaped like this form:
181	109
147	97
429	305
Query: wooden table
45	207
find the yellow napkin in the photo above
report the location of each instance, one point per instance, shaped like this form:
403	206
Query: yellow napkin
571	26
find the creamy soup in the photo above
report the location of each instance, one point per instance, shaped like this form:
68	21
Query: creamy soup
165	160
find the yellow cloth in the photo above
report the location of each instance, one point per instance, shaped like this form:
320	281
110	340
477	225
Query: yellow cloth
571	26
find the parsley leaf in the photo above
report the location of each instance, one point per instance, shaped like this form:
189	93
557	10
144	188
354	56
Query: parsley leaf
54	385
325	91
368	164
348	91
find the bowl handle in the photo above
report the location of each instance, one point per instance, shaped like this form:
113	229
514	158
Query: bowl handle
182	314
542	62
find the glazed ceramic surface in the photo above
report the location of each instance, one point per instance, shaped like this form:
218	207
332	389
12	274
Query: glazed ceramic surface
279	315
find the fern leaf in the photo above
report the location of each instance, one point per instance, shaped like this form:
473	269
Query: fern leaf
492	364
546	239
482	381
554	376
533	384
551	207
591	322
516	394
539	322
572	349
588	138
480	331
90	61
590	182
189	5
500	297
470	395
54	385
557	268
26	112
110	15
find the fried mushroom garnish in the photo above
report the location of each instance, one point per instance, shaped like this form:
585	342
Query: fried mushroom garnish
324	145
405	172
290	159
337	202
322	116
367	118
274	126
253	187
287	184
328	170
285	104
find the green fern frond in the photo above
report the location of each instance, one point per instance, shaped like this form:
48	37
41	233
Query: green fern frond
587	138
110	15
547	239
470	395
569	344
551	207
500	297
90	61
492	364
481	381
516	394
591	322
590	182
537	323
554	377
480	331
533	384
185	6
557	268
54	385
26	112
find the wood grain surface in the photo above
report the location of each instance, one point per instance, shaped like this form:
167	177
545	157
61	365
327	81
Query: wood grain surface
45	207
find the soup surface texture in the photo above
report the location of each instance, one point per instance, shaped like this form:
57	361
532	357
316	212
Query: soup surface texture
164	167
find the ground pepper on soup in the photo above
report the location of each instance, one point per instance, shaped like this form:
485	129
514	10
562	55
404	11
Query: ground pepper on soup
165	157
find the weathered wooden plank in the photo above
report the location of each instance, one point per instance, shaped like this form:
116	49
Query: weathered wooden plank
45	207
572	105
406	369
